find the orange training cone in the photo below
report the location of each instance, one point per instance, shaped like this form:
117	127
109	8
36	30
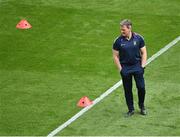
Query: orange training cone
23	24
84	102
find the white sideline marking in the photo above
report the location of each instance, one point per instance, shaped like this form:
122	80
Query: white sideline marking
110	90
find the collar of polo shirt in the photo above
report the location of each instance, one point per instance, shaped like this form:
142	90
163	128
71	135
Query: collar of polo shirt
129	38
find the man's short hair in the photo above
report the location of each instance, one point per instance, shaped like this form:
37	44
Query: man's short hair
126	22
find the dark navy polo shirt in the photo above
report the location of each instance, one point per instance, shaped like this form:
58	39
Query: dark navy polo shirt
129	50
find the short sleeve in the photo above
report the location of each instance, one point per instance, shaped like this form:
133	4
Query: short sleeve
115	45
141	42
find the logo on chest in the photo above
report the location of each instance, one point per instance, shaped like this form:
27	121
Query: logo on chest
122	45
134	43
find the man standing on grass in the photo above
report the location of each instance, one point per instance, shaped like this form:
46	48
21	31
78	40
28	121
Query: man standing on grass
130	55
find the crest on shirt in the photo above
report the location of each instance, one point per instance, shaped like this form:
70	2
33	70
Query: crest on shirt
135	43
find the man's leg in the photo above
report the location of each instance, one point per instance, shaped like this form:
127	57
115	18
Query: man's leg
127	84
140	84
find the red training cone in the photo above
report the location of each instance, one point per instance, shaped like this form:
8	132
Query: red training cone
84	102
23	24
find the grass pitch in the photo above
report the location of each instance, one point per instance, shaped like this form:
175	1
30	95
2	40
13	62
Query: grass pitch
67	54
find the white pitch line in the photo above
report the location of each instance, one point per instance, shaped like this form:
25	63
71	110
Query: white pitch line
109	91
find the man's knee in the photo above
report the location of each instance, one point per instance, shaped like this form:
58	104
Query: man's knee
140	85
141	89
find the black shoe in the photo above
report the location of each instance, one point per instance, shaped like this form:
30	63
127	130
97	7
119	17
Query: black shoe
129	113
143	111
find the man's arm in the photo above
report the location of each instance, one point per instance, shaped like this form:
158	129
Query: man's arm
143	56
116	59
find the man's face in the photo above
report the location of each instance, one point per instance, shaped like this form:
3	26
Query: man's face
125	31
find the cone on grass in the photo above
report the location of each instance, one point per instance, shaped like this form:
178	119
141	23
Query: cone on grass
23	24
84	102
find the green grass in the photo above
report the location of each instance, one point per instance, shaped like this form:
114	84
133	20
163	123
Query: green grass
162	100
67	54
